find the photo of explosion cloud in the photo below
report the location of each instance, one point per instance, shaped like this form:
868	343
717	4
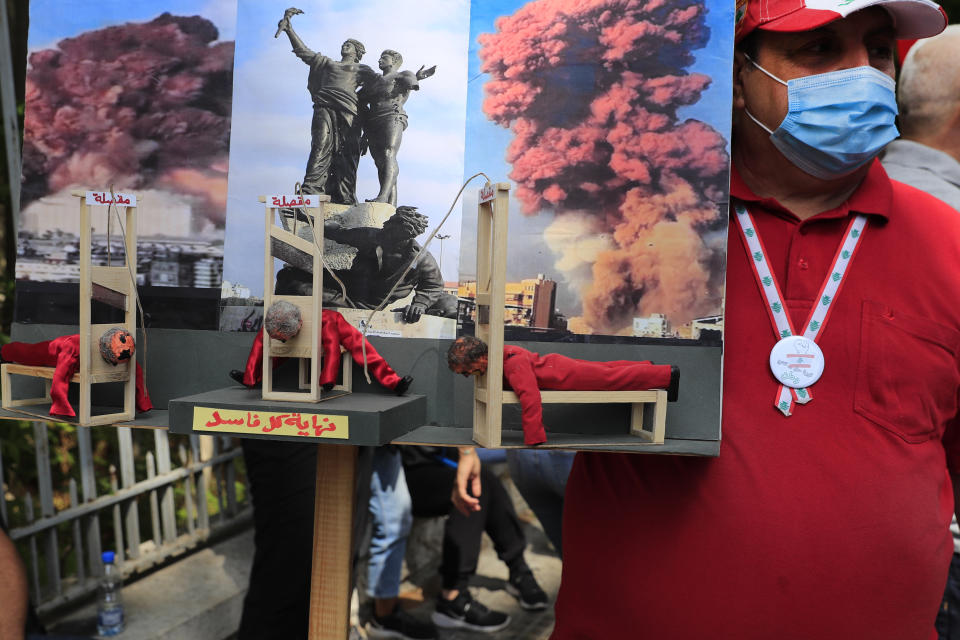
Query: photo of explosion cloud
633	194
141	107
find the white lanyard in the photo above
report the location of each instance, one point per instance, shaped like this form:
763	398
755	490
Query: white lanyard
792	356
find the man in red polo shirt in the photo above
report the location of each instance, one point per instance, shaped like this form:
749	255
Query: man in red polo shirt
821	519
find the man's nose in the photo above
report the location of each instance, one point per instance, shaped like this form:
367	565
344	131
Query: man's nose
856	56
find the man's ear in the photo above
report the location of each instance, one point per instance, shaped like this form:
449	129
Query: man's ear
740	65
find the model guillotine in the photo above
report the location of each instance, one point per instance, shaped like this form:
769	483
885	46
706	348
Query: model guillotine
111	285
297	240
648	410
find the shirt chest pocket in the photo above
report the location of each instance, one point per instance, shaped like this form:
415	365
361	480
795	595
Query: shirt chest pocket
907	375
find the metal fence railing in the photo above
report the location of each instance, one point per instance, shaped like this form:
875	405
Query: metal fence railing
167	494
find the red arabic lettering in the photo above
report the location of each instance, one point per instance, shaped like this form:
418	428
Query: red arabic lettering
275	423
218	420
101	197
254	422
294	201
486	193
294	421
319	429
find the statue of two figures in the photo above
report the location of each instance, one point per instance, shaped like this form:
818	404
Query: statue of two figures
356	109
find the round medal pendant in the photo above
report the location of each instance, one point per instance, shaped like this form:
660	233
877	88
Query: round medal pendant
796	362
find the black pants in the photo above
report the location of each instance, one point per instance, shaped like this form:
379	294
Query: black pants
282	477
430	487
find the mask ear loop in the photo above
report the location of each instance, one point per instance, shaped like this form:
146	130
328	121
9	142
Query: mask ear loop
757	65
747	111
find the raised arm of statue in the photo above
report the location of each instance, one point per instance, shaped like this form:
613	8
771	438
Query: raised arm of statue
301	50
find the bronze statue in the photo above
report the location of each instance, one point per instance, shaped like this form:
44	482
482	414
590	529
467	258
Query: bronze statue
335	130
383	118
382	256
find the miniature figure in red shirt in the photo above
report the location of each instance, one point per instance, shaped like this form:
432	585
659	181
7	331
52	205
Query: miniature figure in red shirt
283	321
527	372
63	353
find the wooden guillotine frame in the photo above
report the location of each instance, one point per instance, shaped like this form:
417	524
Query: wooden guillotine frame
114	286
298	242
488	393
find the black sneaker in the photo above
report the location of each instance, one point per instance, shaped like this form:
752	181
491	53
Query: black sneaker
523	586
403	385
400	624
464	612
237	376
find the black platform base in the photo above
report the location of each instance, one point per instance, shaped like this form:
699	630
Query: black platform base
372	419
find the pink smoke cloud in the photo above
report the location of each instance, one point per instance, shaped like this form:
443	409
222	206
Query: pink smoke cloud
135	106
591	89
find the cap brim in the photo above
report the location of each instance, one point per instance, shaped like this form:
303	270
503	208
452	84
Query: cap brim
911	18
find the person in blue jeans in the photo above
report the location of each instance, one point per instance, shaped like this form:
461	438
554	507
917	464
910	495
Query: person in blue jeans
391	517
540	476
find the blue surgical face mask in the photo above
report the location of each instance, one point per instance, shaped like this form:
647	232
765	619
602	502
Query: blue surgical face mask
836	122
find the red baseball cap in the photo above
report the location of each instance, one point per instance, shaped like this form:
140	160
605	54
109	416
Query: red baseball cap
911	18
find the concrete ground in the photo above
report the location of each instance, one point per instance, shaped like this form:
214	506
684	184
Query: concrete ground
201	596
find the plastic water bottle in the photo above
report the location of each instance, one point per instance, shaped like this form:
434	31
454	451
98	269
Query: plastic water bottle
110	620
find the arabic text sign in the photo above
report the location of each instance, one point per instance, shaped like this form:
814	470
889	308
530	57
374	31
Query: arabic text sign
487	193
118	199
311	425
305	200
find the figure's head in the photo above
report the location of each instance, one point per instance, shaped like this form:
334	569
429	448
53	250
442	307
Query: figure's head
783	120
282	320
929	92
406	223
351	47
116	345
389	60
467	356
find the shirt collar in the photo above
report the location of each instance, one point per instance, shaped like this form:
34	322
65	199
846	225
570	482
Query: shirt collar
873	196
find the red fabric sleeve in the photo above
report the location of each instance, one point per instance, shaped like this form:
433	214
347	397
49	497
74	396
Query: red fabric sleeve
518	371
67	350
253	372
142	397
353	341
34	354
330	336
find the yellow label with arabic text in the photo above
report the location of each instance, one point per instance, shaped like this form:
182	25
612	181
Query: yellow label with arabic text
303	425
